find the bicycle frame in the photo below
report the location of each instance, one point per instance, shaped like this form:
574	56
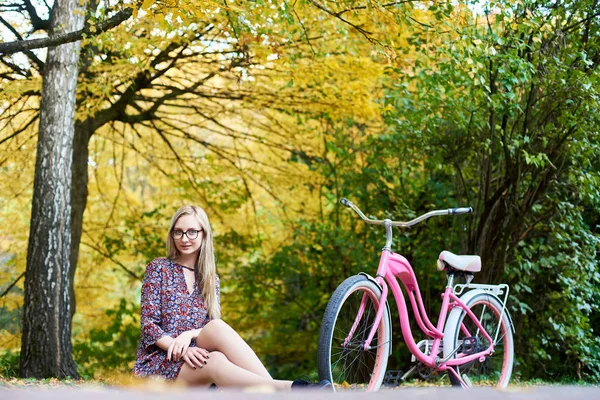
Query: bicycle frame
393	266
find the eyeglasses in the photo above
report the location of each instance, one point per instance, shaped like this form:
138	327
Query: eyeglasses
191	234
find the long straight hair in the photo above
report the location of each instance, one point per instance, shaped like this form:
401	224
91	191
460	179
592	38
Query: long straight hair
205	268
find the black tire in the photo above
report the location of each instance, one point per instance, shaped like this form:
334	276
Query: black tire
366	368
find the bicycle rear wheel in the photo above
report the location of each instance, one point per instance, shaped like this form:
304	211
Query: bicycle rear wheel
348	319
494	370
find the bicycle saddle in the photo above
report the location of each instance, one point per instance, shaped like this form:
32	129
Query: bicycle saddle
461	263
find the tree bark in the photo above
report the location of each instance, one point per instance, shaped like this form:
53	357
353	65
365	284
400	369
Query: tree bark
79	193
79	174
492	243
46	349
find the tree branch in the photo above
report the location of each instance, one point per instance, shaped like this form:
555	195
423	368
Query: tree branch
305	32
16	133
29	53
141	81
110	257
12	285
36	22
24	45
360	30
391	4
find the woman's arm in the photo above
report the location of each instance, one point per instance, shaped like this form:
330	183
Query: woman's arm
164	342
150	306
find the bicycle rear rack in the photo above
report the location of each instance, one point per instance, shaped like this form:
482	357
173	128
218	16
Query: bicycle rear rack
499	291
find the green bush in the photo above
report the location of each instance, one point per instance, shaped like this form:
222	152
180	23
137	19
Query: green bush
110	350
9	364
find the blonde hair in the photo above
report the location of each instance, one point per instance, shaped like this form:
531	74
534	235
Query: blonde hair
205	268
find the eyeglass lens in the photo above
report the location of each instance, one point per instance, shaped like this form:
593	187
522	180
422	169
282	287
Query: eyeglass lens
191	234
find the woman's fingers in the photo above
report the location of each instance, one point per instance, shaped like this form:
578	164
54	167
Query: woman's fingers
204	352
184	348
170	351
194	358
176	353
188	361
201	357
179	351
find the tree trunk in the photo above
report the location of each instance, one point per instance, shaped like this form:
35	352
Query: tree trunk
79	173
46	349
491	241
79	193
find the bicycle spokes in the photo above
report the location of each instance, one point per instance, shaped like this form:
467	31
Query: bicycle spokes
359	315
488	369
351	365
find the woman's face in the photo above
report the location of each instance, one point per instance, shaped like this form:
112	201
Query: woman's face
187	227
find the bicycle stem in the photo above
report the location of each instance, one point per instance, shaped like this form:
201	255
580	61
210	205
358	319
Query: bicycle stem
388	234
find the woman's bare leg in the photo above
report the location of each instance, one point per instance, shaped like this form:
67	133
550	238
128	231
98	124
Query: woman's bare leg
217	335
225	374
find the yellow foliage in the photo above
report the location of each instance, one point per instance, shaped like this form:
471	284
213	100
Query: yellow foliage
299	73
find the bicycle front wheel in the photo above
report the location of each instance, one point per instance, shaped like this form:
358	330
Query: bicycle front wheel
495	369
348	319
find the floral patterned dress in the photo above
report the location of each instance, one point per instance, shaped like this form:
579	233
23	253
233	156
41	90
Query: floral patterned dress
167	309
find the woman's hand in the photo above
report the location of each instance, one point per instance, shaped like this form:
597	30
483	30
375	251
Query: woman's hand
196	357
180	345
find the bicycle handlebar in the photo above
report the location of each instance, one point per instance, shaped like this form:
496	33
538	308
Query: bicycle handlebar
450	211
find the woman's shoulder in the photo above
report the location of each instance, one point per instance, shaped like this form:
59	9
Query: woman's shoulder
158	264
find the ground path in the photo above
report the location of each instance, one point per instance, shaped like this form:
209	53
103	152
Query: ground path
425	393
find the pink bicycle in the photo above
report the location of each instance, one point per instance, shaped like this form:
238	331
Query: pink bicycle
472	342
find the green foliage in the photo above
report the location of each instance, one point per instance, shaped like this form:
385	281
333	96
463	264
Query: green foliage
9	364
10	320
499	112
139	235
286	293
507	112
110	350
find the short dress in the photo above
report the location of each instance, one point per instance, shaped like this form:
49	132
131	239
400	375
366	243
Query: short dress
167	309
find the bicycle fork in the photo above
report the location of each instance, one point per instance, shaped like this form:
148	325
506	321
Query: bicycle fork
378	316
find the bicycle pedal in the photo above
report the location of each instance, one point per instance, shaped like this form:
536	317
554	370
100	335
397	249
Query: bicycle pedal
467	381
392	378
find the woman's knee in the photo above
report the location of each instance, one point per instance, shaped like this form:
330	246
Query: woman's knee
216	335
216	324
207	373
217	328
217	356
216	361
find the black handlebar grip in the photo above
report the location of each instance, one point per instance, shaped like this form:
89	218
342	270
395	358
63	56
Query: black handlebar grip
345	202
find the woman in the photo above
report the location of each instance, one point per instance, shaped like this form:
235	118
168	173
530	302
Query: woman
183	338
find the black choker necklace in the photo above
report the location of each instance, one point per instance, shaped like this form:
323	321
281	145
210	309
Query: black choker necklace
183	266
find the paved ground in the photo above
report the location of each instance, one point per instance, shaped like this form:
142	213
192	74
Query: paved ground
426	393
